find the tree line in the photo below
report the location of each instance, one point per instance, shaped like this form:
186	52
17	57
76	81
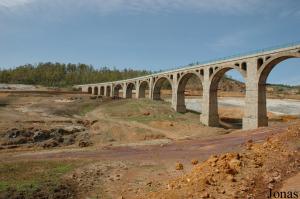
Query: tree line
63	75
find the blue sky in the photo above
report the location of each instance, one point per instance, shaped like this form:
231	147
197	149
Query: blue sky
146	34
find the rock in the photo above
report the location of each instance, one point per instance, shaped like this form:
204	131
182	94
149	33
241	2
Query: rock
13	133
231	178
235	164
73	129
41	136
231	171
195	162
59	139
205	195
250	141
146	113
179	166
18	140
149	184
50	143
84	143
69	140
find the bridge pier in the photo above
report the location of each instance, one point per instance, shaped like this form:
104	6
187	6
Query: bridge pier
255	111
178	101
137	90
150	95
209	108
105	90
124	88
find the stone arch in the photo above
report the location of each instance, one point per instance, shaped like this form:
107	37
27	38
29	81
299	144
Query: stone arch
96	90
263	74
143	86
157	87
220	71
182	82
266	68
129	90
90	90
213	92
102	90
108	91
117	89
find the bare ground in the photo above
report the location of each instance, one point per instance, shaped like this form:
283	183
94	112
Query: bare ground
135	143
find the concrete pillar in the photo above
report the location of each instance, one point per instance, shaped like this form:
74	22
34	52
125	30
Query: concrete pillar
178	93
137	90
209	115
93	90
176	105
124	90
151	88
111	90
255	111
105	90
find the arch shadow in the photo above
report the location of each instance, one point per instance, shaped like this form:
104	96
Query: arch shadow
129	90
144	86
181	90
158	86
231	121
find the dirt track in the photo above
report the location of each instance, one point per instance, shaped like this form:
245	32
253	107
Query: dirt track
144	163
180	150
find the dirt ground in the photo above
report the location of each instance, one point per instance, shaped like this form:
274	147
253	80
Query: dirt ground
68	145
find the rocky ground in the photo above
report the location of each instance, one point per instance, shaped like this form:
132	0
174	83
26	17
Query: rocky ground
45	138
70	145
250	173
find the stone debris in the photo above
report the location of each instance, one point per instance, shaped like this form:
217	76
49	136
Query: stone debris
248	174
46	138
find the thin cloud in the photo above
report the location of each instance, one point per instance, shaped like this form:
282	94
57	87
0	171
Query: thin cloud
14	3
108	6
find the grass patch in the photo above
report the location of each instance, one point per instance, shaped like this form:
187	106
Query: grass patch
134	110
30	177
85	108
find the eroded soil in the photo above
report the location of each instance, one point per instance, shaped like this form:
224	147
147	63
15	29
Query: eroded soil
133	146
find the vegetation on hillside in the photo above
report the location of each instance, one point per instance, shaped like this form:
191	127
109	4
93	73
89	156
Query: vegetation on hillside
61	75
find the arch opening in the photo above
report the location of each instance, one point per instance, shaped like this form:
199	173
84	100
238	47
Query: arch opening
90	90
130	89
260	62
189	93
227	98
144	89
279	91
102	91
162	89
118	91
96	90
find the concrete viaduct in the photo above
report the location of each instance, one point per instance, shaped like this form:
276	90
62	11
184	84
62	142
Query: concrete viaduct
255	69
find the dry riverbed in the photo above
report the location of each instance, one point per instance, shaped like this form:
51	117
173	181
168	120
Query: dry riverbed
67	145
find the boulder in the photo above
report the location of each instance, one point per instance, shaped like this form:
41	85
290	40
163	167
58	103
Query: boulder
40	136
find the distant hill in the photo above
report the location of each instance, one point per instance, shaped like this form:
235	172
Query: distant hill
64	75
228	84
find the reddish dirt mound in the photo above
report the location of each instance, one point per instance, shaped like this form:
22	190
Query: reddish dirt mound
249	174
